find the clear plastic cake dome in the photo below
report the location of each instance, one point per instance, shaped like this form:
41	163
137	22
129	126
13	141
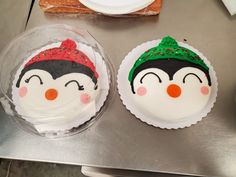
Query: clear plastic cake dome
55	80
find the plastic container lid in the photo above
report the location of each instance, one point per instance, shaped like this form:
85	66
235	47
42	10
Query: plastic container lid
55	80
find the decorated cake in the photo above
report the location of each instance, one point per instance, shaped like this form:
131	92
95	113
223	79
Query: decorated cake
59	87
170	85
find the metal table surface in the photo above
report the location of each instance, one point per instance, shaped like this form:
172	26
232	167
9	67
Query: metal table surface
118	139
13	19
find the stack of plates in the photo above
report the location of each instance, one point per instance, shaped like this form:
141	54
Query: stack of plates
118	7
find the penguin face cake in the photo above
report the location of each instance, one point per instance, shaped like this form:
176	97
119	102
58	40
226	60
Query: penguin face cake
56	90
170	83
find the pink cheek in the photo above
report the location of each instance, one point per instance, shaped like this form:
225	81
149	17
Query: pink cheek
85	98
23	91
141	91
204	90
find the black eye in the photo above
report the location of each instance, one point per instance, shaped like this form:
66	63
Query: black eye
40	80
80	87
152	73
189	74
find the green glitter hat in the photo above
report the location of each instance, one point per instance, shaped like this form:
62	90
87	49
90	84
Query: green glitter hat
168	48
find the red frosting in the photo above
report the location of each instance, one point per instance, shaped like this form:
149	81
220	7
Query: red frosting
67	51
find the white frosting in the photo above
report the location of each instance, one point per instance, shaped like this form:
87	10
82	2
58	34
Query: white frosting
67	110
157	102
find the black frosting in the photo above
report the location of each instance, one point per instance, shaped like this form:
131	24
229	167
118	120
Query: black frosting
58	68
170	66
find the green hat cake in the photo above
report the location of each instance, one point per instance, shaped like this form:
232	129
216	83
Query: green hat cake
169	85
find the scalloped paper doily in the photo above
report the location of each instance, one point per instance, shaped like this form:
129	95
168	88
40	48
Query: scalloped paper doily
126	97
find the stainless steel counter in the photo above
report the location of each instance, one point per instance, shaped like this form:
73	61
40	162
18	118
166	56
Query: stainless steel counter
118	139
13	19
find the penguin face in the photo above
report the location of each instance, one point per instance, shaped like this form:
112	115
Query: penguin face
40	95
184	94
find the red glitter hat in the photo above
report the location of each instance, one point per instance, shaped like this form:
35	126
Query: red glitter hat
67	51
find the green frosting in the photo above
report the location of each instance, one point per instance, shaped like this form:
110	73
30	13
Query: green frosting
168	49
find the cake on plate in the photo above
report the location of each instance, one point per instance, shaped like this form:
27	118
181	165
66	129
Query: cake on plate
58	87
170	85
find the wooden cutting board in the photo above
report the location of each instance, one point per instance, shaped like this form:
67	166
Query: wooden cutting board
75	7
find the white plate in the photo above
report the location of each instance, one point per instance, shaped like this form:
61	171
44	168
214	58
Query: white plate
116	7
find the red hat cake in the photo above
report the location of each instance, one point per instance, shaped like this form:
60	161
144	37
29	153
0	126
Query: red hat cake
58	88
